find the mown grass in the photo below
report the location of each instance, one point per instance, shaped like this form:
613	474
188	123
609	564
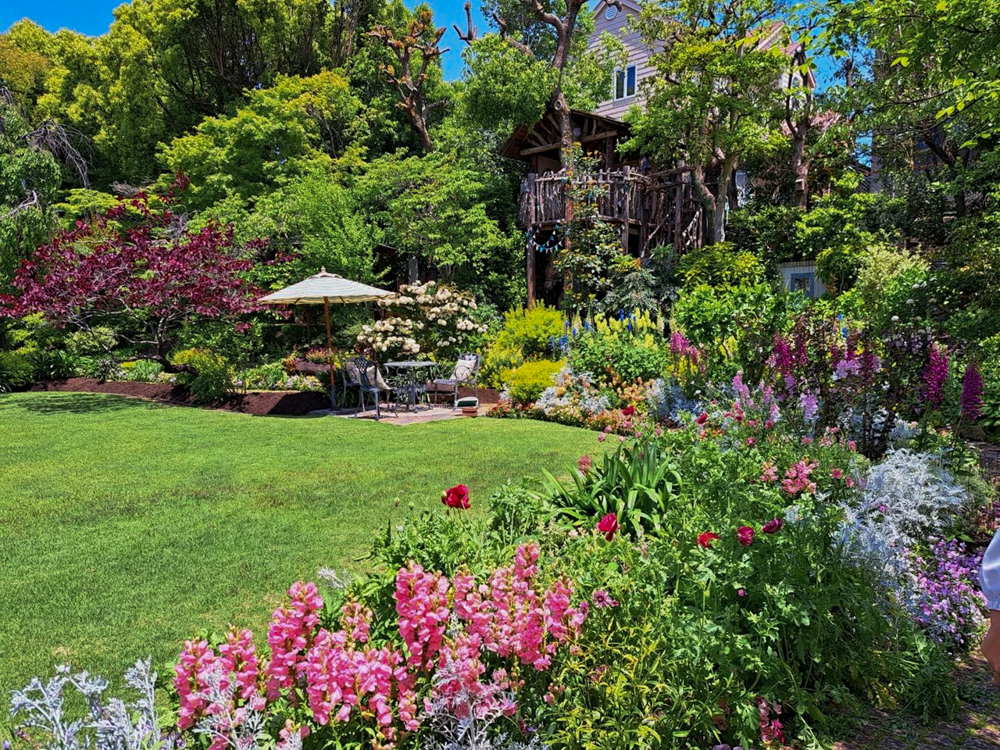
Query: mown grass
126	526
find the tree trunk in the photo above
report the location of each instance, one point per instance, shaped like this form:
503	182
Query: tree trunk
562	112
420	125
708	201
719	218
800	168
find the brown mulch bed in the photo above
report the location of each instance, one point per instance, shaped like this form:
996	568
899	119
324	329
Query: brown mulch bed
275	403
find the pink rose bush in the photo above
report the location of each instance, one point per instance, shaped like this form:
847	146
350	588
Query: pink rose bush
457	639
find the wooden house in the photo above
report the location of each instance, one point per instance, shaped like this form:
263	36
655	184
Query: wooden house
649	207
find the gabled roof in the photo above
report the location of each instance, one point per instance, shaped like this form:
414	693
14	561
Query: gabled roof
630	4
543	136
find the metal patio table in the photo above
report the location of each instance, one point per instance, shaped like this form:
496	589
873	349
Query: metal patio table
412	370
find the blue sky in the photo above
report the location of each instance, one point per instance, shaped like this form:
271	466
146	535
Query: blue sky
94	16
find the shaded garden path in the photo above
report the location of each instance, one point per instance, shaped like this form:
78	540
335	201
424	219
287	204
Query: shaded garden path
977	726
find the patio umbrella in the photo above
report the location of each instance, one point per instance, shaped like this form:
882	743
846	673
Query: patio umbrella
322	289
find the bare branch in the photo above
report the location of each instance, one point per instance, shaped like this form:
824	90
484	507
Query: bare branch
410	87
471	33
30	201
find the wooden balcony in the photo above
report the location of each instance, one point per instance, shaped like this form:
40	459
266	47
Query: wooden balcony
650	209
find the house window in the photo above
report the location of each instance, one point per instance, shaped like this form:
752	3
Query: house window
625	83
803	282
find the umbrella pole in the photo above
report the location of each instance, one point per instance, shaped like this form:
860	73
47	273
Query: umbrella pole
329	353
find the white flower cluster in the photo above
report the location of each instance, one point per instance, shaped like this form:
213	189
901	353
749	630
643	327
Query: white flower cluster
423	318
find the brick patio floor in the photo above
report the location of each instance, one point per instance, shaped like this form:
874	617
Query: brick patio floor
434	414
977	726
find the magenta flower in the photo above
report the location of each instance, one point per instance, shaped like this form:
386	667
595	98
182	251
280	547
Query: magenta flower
836	473
745	535
935	376
972	393
602	437
602	599
456	497
608	526
772	526
741	593
584	463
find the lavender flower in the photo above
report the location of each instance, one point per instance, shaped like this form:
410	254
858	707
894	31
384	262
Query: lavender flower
948	603
972	393
810	406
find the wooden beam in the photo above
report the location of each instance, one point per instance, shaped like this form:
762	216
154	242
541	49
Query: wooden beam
585	139
539	149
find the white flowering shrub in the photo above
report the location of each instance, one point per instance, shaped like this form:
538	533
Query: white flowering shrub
433	319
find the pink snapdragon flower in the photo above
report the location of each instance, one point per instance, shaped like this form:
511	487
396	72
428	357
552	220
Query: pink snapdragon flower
290	634
191	674
797	478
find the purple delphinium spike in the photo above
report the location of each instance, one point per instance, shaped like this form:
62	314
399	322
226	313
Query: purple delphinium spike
972	393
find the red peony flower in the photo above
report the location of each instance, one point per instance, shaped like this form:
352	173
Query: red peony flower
608	526
702	418
772	526
456	497
628	411
745	535
706	538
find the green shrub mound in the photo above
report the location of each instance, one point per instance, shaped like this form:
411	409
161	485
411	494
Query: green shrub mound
526	383
16	372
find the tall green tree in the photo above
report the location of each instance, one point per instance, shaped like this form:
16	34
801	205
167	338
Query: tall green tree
415	68
280	133
713	100
29	179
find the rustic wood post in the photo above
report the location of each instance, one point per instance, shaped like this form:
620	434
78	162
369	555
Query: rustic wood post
529	249
678	204
626	207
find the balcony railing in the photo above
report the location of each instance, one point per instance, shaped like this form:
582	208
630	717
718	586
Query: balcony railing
658	207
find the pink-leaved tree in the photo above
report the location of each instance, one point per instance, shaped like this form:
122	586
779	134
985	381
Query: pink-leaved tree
139	270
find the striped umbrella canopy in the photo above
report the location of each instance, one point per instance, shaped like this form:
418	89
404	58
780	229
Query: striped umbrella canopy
325	288
322	289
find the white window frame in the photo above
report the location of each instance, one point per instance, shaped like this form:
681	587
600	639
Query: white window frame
625	92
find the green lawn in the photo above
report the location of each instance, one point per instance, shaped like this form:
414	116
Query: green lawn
126	526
